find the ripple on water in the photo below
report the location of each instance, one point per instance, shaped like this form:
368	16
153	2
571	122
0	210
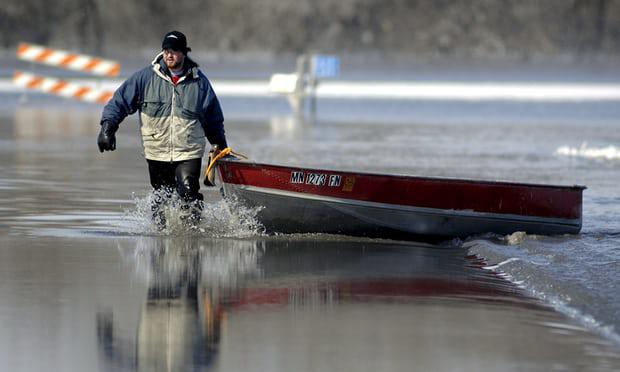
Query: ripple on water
574	274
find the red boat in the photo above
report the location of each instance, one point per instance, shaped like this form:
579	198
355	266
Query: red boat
303	200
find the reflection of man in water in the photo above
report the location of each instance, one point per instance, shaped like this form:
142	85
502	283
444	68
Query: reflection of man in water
178	108
180	321
179	328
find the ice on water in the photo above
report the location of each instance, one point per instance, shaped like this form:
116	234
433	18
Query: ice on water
610	152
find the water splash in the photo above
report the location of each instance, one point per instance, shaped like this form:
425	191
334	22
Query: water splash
220	219
515	238
606	153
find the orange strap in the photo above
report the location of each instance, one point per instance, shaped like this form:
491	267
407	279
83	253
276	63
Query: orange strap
220	155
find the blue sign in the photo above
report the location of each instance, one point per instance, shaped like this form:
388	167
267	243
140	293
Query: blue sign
324	66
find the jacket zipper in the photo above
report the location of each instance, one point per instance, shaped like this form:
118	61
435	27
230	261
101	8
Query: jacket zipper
172	125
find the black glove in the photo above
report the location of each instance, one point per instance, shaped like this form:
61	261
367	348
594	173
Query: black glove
106	139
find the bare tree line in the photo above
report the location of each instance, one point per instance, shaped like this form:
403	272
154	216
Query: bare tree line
435	27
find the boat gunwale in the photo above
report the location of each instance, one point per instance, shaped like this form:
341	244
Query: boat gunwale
409	177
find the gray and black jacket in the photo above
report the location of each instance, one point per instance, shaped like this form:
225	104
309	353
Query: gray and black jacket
174	120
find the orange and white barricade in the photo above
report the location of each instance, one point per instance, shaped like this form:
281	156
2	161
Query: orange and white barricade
70	61
67	60
61	87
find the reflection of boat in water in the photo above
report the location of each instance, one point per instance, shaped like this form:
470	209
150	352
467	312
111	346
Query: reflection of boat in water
320	273
301	200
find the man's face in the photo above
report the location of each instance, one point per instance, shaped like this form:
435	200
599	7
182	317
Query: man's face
174	59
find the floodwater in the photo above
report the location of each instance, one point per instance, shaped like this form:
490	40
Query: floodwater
87	284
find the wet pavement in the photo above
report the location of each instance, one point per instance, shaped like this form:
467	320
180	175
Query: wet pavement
276	303
85	286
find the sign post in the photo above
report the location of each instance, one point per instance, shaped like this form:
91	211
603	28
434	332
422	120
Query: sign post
321	67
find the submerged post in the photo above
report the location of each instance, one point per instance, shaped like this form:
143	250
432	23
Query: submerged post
292	85
298	97
304	82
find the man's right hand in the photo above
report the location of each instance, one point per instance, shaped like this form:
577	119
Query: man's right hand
106	139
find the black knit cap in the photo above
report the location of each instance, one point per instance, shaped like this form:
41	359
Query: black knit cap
175	40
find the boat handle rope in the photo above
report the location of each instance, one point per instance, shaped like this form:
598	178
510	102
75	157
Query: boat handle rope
221	154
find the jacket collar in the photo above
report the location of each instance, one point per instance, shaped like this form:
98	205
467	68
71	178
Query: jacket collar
190	68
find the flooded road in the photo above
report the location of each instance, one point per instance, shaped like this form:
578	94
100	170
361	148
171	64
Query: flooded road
279	304
86	284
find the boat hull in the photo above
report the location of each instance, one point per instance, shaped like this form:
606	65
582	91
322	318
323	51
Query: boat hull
289	204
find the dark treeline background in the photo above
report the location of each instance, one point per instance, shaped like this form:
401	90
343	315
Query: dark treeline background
458	28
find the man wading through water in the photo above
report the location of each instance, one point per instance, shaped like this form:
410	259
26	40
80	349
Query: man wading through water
178	108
